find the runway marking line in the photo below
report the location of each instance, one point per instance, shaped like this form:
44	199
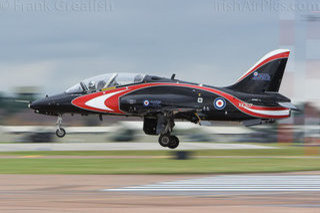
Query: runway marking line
220	183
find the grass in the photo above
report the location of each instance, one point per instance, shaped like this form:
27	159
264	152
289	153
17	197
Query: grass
155	166
236	164
280	151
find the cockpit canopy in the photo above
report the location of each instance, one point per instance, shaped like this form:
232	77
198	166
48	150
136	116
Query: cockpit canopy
100	82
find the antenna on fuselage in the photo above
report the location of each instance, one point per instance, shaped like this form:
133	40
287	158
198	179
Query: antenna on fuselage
173	75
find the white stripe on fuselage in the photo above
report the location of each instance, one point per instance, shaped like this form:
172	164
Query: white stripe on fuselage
270	112
99	102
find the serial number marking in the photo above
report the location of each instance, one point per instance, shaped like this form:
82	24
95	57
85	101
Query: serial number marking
245	105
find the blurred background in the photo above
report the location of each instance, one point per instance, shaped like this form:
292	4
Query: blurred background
48	46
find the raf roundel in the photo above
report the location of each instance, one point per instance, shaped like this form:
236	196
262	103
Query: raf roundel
255	74
146	103
219	103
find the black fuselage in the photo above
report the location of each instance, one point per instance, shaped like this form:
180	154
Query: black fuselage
188	101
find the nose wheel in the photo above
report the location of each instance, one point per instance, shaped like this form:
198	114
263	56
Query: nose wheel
170	141
61	132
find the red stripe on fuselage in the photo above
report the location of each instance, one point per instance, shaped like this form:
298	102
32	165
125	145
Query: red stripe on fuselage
113	102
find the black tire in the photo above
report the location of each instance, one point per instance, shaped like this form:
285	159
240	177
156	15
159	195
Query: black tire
174	142
164	140
61	132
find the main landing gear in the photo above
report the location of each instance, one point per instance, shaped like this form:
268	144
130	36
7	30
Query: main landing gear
60	131
170	141
165	124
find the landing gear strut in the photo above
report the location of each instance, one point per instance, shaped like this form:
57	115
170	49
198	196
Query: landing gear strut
60	131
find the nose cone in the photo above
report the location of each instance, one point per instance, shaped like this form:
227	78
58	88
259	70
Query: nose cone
38	104
53	105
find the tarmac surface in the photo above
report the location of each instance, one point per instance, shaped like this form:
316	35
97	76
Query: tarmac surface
231	183
98	193
12	147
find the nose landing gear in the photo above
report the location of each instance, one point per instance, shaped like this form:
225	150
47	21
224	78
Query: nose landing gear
170	141
61	132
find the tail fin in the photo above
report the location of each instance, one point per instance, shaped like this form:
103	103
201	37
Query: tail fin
265	75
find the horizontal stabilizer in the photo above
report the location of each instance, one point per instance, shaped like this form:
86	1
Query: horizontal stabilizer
288	105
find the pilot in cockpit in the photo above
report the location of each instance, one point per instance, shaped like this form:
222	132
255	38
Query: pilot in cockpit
92	86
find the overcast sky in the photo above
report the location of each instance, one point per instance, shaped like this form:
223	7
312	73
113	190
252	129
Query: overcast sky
55	45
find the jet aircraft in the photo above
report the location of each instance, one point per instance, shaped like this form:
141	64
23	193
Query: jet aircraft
252	100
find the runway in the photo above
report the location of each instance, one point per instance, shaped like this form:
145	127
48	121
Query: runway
232	183
13	147
83	193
